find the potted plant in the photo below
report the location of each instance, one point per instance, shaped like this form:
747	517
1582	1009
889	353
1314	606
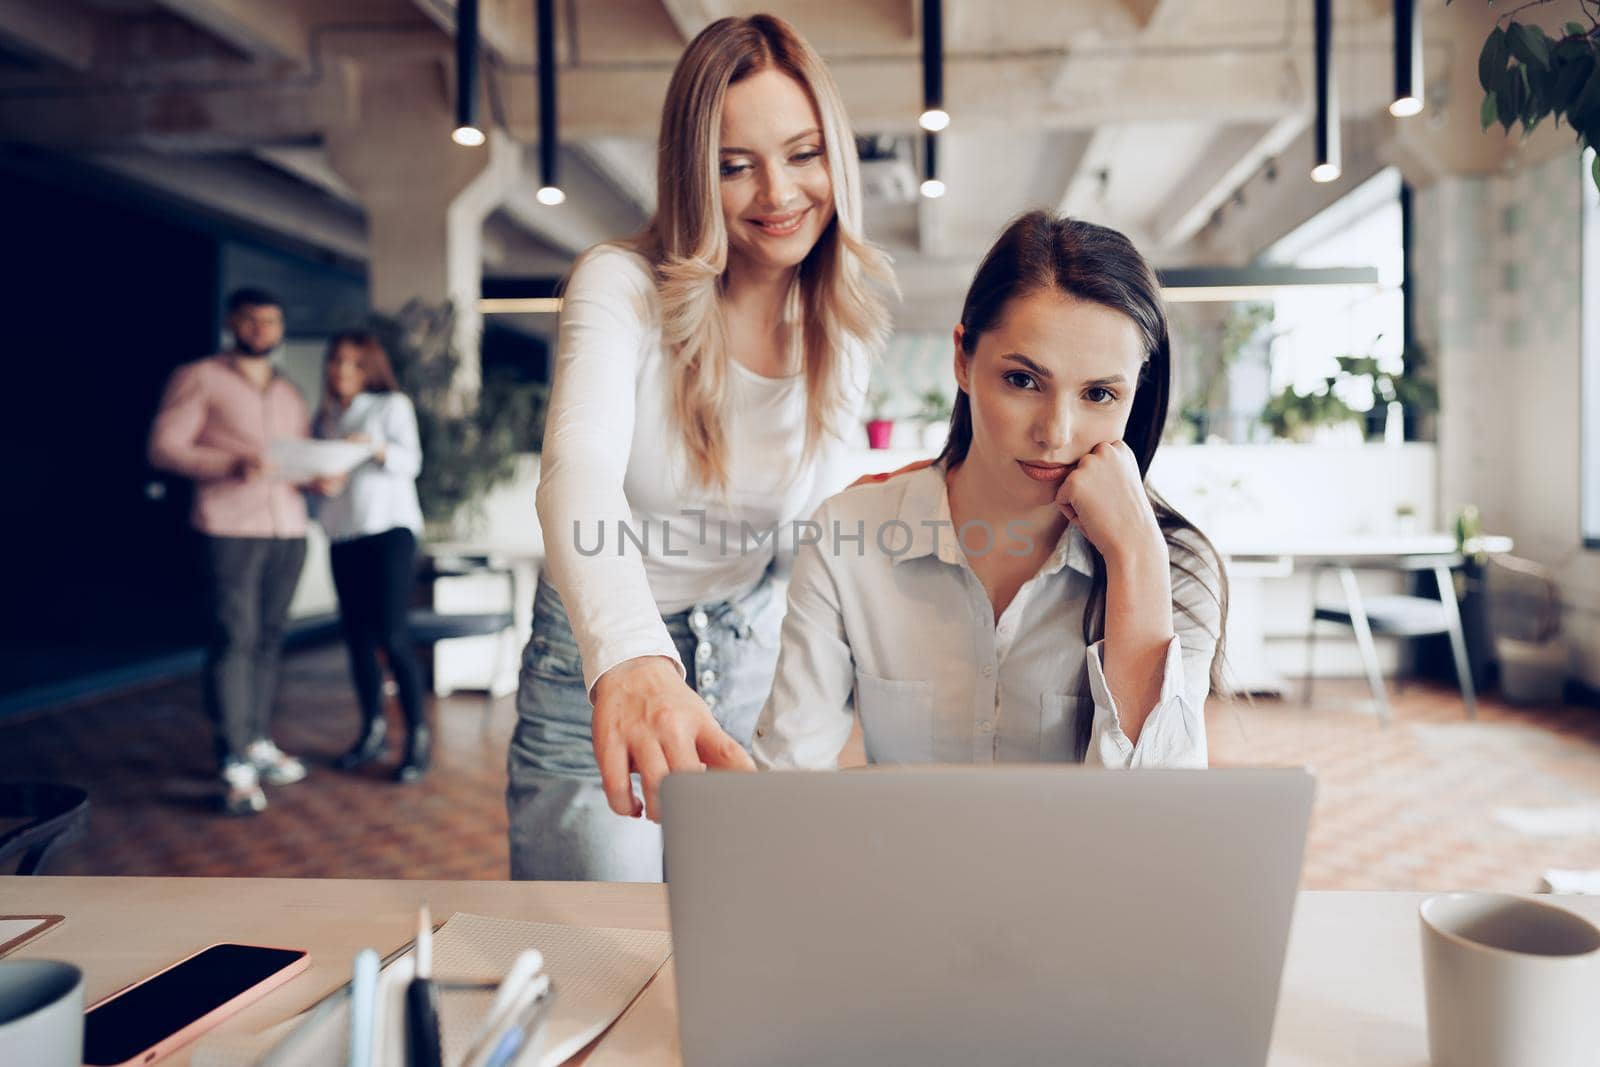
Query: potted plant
1219	348
934	414
880	428
1527	75
1399	398
1295	416
470	439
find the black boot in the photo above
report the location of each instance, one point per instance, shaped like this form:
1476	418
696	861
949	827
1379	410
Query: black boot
370	747
419	750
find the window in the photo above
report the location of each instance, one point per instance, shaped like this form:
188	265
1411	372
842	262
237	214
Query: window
1313	325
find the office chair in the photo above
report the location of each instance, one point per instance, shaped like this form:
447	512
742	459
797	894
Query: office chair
428	626
1393	616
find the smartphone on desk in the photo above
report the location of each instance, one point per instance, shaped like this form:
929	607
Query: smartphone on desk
172	1007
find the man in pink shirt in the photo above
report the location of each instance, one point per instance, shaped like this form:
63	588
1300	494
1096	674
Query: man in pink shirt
216	420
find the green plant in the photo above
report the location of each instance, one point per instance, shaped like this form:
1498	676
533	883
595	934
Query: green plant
877	398
1412	392
1292	415
470	439
1528	75
1219	349
935	407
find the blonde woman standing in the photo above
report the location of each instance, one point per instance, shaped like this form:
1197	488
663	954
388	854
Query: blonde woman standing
706	373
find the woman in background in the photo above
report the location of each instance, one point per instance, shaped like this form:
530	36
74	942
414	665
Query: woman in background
373	519
1027	597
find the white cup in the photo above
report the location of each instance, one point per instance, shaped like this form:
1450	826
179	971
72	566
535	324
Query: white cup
41	1013
1511	982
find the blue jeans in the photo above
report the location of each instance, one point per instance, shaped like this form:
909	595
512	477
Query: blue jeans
561	827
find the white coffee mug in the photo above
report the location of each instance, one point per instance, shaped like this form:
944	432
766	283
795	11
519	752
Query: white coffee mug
41	1013
1511	982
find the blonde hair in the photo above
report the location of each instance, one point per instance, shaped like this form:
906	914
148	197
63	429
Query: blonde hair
687	241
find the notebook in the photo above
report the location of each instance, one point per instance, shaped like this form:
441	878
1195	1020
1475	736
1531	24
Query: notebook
596	972
18	930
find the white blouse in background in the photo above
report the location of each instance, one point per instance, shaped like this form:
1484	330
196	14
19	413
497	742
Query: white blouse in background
613	457
886	607
379	496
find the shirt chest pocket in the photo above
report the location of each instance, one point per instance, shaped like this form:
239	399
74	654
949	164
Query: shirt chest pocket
897	719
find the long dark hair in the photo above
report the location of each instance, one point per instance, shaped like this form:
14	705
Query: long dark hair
1041	252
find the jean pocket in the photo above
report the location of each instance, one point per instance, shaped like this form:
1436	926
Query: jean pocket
1059	715
897	719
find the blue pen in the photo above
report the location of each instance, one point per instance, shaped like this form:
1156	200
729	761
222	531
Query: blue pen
522	1030
363	1007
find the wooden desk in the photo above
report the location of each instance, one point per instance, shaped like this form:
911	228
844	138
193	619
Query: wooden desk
1352	986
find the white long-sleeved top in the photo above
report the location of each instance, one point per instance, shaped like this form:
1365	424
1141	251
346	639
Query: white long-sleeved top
885	607
613	456
379	496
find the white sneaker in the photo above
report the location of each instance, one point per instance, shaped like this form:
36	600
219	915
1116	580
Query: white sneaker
275	766
244	796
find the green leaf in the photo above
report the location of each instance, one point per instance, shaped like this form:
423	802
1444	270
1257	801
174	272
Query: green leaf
1487	114
1512	97
1585	110
1568	81
1529	44
1492	60
1575	29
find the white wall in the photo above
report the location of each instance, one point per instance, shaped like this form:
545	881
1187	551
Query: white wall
1498	310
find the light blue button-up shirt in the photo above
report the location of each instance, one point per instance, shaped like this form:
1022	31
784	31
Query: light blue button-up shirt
885	609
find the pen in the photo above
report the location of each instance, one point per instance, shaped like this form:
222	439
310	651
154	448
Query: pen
524	1030
363	1007
422	1002
507	1000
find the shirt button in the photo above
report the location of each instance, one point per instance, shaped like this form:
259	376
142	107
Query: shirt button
761	731
708	679
698	620
988	669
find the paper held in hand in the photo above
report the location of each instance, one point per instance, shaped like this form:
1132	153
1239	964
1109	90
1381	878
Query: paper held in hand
304	459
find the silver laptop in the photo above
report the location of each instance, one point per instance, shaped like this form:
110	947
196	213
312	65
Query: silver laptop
962	915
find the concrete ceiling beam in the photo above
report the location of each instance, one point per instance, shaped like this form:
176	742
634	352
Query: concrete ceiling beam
278	31
229	189
46	31
1234	156
504	26
176	120
692	16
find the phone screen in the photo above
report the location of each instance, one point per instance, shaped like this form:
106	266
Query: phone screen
120	1029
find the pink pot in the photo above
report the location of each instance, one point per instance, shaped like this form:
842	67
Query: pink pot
878	432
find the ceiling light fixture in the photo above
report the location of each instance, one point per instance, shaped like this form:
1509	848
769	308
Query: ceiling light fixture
549	193
932	187
467	131
934	117
1326	168
1408	80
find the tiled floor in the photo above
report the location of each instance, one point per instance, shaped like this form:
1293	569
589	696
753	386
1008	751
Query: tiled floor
1407	806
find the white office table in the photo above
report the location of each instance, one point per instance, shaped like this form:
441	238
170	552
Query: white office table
1352	988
